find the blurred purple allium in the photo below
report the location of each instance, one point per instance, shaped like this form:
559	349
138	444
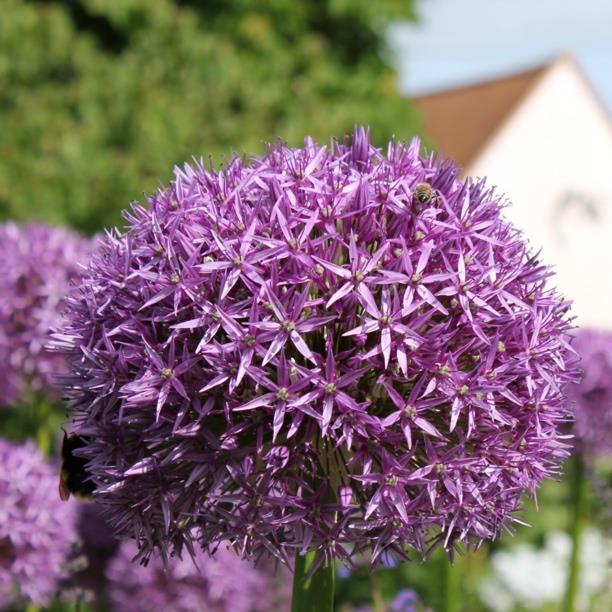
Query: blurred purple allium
328	348
98	545
96	535
222	583
38	265
593	396
37	530
405	601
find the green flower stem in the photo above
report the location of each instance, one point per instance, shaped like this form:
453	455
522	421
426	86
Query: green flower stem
312	593
578	500
378	602
43	436
450	586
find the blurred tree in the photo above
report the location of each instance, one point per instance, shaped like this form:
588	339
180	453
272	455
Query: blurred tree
99	98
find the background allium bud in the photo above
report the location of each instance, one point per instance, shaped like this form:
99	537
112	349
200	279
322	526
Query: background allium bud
38	265
222	583
593	396
298	352
37	530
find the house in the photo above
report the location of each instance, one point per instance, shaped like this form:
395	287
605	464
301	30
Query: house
544	138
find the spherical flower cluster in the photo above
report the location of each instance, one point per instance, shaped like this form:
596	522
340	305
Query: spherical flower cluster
593	396
335	349
222	583
36	529
38	265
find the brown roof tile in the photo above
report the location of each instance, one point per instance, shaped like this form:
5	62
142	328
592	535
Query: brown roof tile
460	121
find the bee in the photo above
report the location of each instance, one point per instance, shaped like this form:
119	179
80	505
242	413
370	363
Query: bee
424	193
74	477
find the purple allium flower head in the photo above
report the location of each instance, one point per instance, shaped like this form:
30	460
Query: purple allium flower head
593	396
332	348
36	529
38	265
222	583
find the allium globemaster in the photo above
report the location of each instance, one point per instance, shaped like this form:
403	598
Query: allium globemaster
329	348
37	531
39	263
593	396
222	583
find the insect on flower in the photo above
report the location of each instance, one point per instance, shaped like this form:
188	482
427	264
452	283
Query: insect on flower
424	193
74	477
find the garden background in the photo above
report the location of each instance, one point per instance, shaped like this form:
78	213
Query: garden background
100	99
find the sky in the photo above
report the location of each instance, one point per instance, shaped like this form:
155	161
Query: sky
462	41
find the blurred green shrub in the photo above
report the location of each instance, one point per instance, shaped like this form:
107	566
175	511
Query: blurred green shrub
100	98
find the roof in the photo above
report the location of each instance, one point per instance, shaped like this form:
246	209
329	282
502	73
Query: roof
461	120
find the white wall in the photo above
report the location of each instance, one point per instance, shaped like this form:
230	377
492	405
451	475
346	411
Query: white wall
553	160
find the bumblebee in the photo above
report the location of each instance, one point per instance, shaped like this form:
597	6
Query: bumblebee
74	477
424	193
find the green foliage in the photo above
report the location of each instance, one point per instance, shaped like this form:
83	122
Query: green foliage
37	419
100	98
